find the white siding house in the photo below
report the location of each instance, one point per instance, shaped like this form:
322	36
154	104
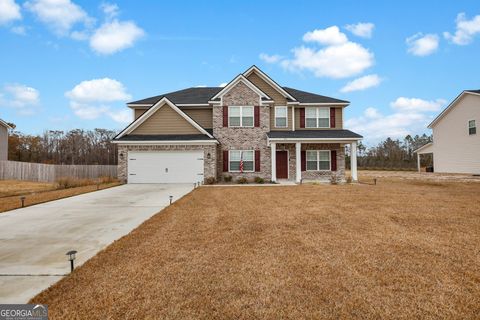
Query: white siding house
456	138
3	140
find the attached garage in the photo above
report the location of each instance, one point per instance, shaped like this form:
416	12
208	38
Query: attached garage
165	166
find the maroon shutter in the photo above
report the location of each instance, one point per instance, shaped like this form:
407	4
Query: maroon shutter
332	117
256	116
333	154
225	116
257	160
225	160
304	160
302	118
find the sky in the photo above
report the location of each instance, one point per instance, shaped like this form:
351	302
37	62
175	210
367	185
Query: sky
68	64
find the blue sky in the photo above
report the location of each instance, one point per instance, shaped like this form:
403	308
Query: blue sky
73	64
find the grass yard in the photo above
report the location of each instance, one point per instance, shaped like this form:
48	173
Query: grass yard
397	250
39	192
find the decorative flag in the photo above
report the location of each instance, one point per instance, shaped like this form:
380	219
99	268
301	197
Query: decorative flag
241	161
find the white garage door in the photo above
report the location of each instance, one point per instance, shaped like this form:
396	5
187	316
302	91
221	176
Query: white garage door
165	167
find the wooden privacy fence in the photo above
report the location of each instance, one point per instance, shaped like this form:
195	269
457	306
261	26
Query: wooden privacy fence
14	170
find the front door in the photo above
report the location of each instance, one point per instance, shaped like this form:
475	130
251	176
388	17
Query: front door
282	164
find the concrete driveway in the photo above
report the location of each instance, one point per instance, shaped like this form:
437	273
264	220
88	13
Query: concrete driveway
34	240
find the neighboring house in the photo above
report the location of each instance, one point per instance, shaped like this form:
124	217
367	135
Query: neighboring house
456	140
4	140
250	128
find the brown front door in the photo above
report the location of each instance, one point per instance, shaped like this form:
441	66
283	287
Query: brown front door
282	164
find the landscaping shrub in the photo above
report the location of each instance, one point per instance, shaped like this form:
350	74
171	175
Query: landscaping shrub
210	180
69	182
107	179
349	179
227	178
259	180
242	180
334	178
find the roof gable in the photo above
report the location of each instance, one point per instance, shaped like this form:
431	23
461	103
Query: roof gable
451	106
233	83
132	128
6	125
254	69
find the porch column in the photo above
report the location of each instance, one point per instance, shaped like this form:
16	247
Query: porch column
273	148
353	160
298	162
418	162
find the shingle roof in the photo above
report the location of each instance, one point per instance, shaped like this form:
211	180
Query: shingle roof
308	97
165	137
320	134
201	95
473	91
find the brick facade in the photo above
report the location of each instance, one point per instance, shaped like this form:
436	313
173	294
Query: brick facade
243	138
209	165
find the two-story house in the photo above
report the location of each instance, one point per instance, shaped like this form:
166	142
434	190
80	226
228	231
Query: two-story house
251	127
456	144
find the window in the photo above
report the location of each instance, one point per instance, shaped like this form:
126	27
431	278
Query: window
281	117
241	116
317	117
318	160
472	127
235	156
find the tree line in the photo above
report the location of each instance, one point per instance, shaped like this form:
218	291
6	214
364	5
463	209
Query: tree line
64	147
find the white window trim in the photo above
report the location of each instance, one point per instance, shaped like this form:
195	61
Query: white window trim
475	126
316	117
286	117
241	117
318	160
238	171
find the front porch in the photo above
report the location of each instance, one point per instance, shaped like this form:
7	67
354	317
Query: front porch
302	159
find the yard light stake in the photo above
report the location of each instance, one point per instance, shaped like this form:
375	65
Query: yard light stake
171	198
22	198
71	257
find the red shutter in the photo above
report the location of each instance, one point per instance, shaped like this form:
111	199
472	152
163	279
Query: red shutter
256	116
257	160
304	160
225	116
302	118
225	160
332	117
333	154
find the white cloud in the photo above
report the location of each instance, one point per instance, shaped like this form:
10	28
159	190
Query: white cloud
58	15
223	84
90	99
328	36
375	126
339	61
115	36
465	30
422	45
20	30
23	98
417	105
362	83
9	11
111	10
270	58
362	29
124	116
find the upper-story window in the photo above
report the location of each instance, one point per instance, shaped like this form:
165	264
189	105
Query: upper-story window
317	117
472	127
240	116
281	117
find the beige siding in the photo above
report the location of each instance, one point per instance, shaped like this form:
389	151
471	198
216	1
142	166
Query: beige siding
268	89
203	117
272	120
3	143
138	113
454	150
165	121
338	119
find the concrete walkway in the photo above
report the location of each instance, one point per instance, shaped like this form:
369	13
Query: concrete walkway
34	240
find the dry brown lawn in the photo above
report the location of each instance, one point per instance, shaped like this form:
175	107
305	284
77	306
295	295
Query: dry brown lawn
38	192
398	250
